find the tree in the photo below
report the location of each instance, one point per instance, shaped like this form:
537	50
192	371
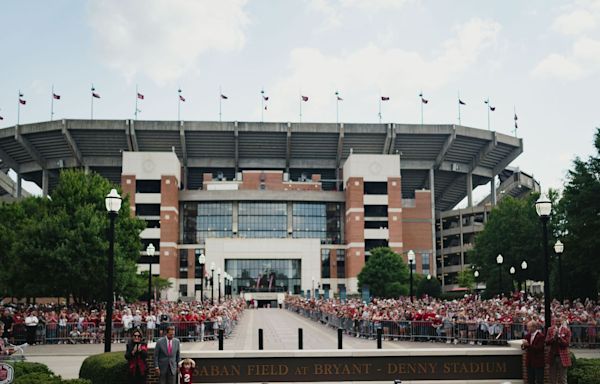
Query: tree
513	230
385	273
578	214
466	279
159	284
430	287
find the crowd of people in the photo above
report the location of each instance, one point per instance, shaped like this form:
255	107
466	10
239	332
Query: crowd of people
60	324
466	320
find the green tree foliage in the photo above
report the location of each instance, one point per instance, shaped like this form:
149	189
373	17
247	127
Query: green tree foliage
578	216
466	279
159	284
513	230
62	242
430	287
385	273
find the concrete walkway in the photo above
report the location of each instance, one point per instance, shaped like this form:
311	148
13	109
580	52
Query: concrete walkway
280	330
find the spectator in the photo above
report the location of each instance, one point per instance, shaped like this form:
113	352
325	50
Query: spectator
136	353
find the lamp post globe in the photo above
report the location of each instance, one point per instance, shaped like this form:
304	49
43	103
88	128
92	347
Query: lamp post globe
150	254
476	275
113	205
202	262
524	268
411	261
543	207
559	247
499	261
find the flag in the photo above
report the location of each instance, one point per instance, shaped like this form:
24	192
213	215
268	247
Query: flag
224	97
265	107
265	98
304	98
340	99
55	96
385	98
1	118
461	102
492	108
22	101
140	96
96	95
20	94
181	98
516	118
423	100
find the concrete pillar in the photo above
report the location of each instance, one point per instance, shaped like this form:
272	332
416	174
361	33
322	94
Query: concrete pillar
290	218
493	191
433	261
45	182
469	189
234	218
442	250
19	185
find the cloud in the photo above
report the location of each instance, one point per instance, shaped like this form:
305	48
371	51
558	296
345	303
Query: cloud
579	22
163	39
333	10
395	71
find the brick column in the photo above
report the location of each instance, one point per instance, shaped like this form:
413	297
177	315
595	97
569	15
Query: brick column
169	227
354	232
395	215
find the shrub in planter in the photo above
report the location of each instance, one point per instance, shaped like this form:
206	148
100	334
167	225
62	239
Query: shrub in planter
105	368
584	371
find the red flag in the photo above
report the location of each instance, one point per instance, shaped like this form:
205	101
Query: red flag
97	96
266	98
492	108
181	98
55	96
424	101
22	101
384	98
224	97
140	96
461	102
304	98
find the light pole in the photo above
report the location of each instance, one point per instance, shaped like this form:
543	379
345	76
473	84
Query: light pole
202	261
499	261
313	287
559	247
512	272
543	207
113	205
411	261
150	254
524	268
219	284
476	274
212	283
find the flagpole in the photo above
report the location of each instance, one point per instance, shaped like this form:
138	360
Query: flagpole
515	112
92	110
262	105
19	107
220	102
52	104
337	107
300	101
136	102
380	109
488	112
179	105
459	122
421	94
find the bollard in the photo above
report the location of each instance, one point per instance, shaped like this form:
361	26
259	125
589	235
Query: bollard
340	332
260	339
379	338
300	346
220	339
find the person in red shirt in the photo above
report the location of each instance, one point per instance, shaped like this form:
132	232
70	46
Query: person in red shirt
559	359
186	371
533	344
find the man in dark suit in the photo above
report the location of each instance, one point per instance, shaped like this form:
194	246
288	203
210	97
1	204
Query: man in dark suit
534	356
166	357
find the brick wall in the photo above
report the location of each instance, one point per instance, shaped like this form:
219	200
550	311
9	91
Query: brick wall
128	188
416	228
354	228
273	181
169	227
395	214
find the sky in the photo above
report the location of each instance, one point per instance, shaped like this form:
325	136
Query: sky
539	58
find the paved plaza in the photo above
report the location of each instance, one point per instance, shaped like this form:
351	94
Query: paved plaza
280	329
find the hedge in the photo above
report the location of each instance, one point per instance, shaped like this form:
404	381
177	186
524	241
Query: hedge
37	373
584	371
105	368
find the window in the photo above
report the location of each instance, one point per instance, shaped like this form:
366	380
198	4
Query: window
374	243
325	266
264	275
334	226
197	265
206	220
183	264
147	209
425	257
309	220
340	255
183	290
154	242
262	220
376	210
376	224
147	186
375	188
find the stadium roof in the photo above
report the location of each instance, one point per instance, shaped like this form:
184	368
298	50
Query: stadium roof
452	151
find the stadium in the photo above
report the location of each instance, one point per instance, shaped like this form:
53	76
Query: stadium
281	207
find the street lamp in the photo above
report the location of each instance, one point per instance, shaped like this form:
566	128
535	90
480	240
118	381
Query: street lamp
512	272
212	283
411	261
499	261
543	207
476	274
313	286
524	268
150	254
113	205
201	261
559	247
429	276
219	284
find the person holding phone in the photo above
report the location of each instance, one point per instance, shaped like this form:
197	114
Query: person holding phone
136	353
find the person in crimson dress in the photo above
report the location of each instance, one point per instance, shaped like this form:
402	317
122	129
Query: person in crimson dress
186	371
136	354
533	344
559	359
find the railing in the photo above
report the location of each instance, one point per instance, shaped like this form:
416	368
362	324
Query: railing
90	333
457	332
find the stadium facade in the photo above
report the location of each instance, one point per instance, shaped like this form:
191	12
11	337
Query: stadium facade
288	207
